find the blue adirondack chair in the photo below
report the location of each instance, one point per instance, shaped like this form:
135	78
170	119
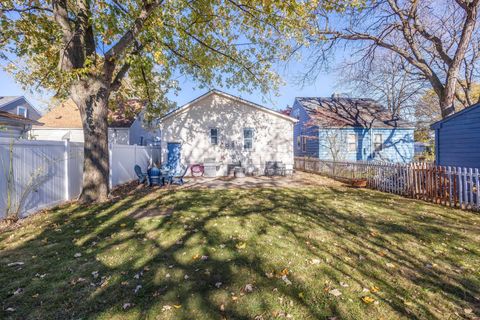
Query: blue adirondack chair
142	177
177	176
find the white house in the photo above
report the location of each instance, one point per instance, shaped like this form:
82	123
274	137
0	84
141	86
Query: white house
224	129
125	125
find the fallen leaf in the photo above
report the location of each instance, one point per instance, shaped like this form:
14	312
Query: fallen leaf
335	292
218	284
241	245
177	306
18	291
285	279
301	295
17	263
77	255
123	225
284	272
166	307
343	284
248	288
127	305
374	289
367	299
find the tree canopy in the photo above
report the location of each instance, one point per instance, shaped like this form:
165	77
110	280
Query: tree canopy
227	43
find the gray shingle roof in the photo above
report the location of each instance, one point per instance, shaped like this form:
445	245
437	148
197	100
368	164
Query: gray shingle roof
343	112
4	100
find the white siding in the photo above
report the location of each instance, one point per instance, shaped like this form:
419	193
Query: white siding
273	135
115	135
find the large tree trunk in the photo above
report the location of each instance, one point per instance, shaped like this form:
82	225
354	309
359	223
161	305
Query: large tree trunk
91	98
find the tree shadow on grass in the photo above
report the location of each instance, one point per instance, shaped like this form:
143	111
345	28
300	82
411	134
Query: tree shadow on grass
103	261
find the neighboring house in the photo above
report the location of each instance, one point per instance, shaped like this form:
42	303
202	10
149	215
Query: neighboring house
20	106
350	129
457	139
63	122
14	126
224	129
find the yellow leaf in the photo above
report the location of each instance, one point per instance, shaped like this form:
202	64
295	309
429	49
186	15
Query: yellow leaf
241	245
301	295
368	299
177	306
374	289
123	225
196	257
284	272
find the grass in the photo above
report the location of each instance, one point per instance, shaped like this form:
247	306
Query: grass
140	257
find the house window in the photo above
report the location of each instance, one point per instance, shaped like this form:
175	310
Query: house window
304	144
21	111
248	138
377	142
299	142
352	142
214	136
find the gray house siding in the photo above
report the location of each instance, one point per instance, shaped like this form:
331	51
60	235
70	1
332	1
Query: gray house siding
301	129
457	139
13	105
139	135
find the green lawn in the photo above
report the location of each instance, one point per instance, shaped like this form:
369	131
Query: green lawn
304	253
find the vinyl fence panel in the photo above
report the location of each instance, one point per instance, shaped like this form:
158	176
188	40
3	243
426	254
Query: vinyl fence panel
38	174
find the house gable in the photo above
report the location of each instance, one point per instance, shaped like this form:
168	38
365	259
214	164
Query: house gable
196	101
11	104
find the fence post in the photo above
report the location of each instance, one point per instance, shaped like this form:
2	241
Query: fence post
66	165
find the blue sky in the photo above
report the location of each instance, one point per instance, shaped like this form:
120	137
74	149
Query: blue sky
323	86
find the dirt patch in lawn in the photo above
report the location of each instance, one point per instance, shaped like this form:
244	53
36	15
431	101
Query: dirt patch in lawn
298	179
152	212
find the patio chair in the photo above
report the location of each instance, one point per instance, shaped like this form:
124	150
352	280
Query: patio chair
270	168
279	168
142	177
177	177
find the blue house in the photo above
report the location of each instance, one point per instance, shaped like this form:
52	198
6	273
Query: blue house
350	129
457	139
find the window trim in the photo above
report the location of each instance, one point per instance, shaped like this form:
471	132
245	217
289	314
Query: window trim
354	143
25	114
375	143
245	139
216	136
304	143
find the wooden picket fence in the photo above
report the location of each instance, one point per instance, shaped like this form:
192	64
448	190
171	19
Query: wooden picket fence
449	186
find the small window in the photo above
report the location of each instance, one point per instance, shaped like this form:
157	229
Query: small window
299	142
377	142
247	138
214	136
304	144
352	142
21	111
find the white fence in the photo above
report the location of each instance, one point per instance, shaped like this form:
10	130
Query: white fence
39	174
449	186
